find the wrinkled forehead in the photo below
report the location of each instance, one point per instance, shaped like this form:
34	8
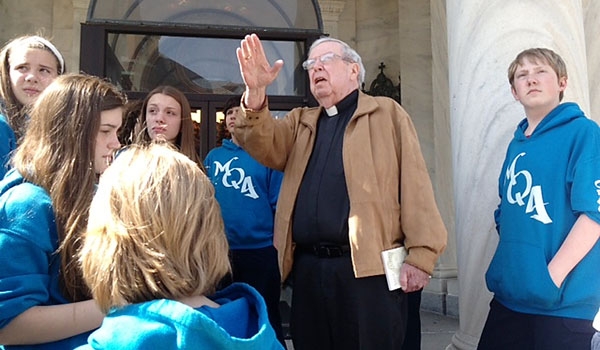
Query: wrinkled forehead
325	47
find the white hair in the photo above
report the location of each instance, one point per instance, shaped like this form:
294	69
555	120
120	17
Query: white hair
348	54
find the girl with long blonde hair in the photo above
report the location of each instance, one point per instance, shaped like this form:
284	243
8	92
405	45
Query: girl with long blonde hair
153	254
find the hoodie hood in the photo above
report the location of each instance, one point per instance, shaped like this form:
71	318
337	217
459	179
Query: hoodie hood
230	145
241	322
560	115
12	179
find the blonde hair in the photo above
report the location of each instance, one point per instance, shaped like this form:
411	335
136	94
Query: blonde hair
155	230
538	55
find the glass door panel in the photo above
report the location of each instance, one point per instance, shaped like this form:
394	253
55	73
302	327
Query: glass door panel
196	65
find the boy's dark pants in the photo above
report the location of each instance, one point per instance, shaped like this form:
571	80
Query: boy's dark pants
260	269
507	329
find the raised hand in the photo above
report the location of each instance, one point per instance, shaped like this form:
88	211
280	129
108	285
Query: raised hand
256	70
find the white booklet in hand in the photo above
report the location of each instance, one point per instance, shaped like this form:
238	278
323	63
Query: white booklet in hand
392	262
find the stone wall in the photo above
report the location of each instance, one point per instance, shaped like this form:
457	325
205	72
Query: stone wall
59	20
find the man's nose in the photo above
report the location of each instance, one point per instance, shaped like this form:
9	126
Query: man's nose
318	64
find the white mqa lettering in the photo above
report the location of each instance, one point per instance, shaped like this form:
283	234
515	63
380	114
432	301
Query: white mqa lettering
236	178
533	194
597	184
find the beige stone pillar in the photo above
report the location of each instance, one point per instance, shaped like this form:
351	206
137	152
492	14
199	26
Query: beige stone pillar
330	13
592	28
445	274
483	38
80	10
62	31
21	17
421	97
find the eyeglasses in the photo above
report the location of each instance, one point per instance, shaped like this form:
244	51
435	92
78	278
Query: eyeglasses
325	59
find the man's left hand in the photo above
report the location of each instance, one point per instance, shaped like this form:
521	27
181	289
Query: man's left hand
412	278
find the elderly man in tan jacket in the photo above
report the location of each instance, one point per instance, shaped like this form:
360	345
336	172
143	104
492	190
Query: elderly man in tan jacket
355	184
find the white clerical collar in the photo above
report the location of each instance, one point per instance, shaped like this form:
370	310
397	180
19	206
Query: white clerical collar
331	111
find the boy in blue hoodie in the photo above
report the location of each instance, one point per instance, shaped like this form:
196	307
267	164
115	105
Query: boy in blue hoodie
548	220
247	192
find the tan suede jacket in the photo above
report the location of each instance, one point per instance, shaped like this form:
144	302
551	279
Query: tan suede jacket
391	196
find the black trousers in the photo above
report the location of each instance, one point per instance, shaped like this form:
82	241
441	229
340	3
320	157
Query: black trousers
331	309
259	268
412	339
507	329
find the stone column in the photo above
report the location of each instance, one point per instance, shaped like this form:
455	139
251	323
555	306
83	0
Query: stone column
62	32
421	97
80	10
25	17
445	275
592	28
483	38
330	12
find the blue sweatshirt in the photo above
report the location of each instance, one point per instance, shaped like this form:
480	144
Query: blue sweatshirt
547	181
240	323
8	143
247	192
28	263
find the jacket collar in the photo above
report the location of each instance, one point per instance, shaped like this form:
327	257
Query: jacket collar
366	105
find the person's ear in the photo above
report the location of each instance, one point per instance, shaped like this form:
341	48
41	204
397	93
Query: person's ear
562	83
355	71
514	93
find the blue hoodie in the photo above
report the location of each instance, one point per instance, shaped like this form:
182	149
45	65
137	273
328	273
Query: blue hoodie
547	181
247	192
28	263
8	143
240	323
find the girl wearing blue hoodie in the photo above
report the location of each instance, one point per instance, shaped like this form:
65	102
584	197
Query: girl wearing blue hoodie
543	273
44	203
153	253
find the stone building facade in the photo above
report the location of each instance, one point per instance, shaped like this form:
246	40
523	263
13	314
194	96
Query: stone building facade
452	57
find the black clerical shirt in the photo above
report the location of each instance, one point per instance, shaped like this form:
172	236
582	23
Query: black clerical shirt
322	206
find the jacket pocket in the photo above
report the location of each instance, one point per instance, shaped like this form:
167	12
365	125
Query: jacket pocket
519	273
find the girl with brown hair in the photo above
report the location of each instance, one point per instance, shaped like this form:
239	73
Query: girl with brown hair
44	203
167	116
